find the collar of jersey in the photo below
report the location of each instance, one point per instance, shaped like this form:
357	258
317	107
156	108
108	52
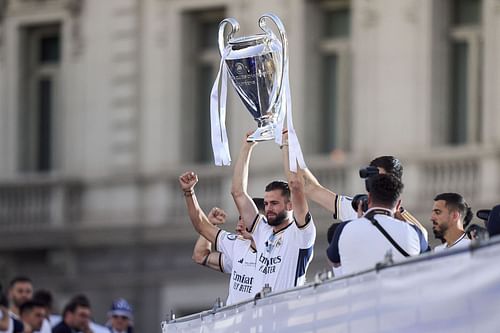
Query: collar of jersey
282	230
379	210
455	242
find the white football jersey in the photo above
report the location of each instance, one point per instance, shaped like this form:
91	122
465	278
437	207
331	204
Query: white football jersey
283	257
343	209
463	241
238	258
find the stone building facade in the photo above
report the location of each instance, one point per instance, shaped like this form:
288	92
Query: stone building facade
104	103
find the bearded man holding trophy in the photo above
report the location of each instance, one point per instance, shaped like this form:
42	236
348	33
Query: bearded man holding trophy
259	70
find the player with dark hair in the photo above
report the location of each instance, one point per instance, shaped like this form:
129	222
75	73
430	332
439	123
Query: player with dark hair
450	216
285	234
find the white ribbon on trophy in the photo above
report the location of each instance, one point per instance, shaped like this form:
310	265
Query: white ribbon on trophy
267	123
220	143
294	151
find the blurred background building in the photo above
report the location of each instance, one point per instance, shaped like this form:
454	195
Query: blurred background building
103	103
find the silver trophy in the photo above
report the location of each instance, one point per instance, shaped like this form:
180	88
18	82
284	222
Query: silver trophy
256	67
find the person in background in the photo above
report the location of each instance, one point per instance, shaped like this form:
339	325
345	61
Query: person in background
120	317
20	291
76	316
32	314
45	297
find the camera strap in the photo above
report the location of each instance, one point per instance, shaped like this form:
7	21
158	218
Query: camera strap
371	216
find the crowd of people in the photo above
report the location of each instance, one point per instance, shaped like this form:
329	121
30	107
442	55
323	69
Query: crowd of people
273	243
23	310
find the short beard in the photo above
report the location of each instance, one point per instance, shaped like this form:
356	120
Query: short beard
439	234
280	218
18	302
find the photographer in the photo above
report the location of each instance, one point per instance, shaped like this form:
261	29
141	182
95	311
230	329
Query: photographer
345	208
364	242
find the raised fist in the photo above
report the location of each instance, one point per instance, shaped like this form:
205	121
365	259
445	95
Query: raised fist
188	180
217	216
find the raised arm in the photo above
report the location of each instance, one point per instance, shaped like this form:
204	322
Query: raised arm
317	192
198	218
202	252
296	184
246	207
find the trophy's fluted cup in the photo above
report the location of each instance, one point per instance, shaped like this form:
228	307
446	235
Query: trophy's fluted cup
256	66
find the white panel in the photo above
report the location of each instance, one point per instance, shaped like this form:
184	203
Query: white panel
454	293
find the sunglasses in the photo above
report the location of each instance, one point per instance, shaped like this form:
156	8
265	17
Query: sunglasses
120	317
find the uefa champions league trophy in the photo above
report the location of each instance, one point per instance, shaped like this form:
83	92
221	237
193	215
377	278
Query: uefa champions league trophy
257	66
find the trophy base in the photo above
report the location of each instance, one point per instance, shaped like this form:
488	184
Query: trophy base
265	133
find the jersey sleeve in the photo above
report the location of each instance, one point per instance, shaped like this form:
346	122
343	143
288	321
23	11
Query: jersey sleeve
224	243
255	223
343	209
307	232
225	263
424	245
332	252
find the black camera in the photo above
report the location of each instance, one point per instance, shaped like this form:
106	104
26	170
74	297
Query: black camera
360	198
366	173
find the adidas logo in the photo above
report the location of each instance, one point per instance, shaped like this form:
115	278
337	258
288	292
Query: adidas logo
240	261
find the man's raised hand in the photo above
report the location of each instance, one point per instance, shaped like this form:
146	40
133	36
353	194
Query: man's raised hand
188	180
217	216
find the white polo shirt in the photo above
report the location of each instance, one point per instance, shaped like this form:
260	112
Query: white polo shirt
283	257
362	245
238	258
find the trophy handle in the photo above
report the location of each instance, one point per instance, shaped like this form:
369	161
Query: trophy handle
284	44
235	26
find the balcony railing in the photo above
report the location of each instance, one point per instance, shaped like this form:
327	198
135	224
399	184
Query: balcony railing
58	203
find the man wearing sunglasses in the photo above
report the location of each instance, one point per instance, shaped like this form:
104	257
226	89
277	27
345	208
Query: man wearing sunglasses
120	317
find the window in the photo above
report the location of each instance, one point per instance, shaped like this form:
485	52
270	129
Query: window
464	116
201	66
41	49
333	70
